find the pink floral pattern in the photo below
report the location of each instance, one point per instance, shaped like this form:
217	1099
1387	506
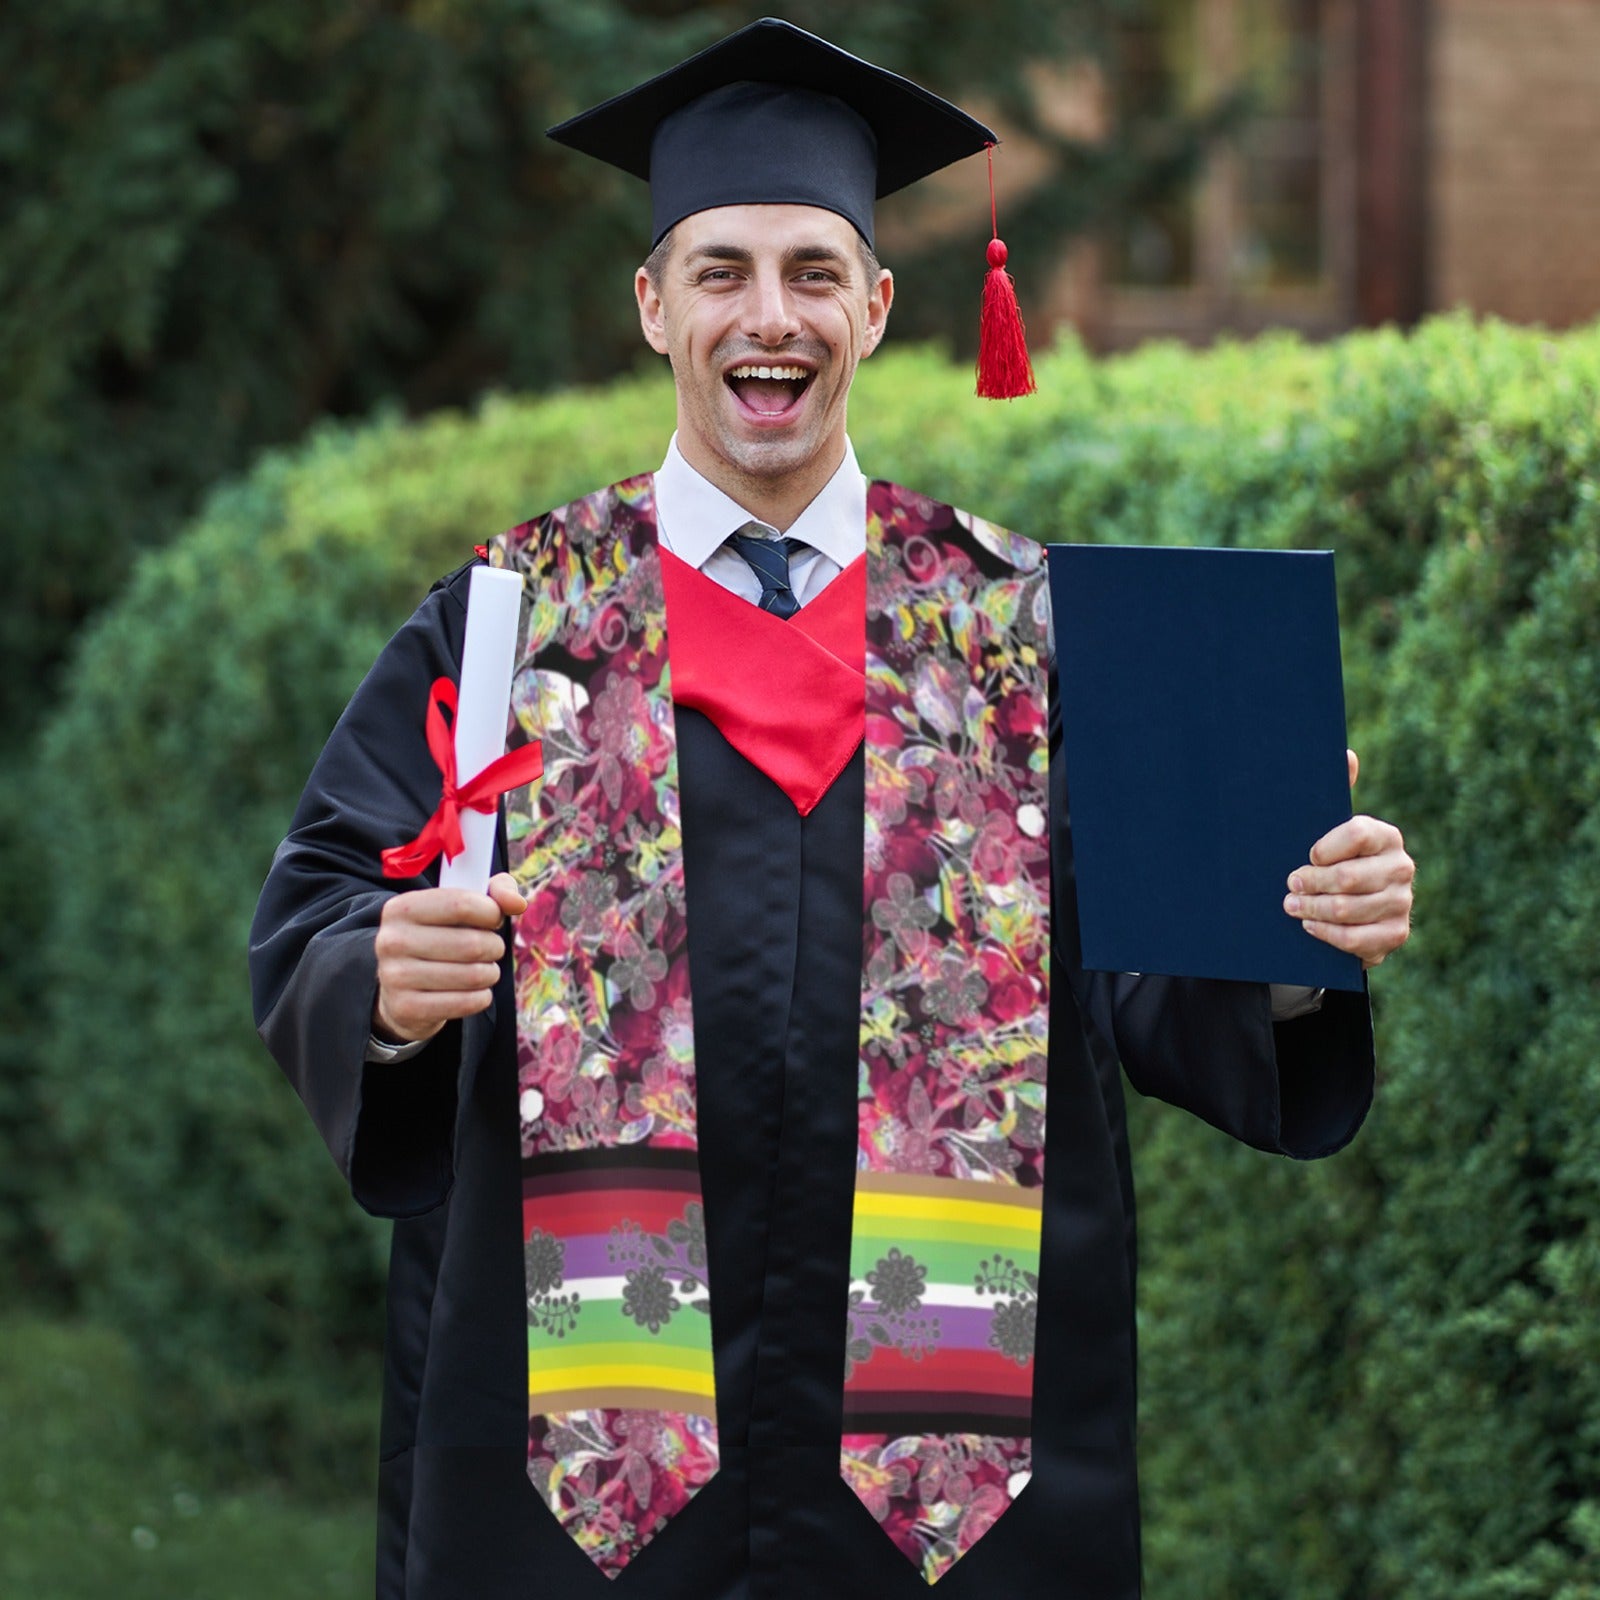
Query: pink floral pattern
605	1029
955	989
955	984
605	1036
936	1495
613	1477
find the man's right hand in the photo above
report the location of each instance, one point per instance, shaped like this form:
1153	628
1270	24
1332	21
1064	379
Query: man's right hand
439	953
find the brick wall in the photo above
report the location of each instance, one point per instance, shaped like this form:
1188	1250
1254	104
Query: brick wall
1514	177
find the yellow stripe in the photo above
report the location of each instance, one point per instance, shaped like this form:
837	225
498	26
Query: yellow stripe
611	1354
975	1213
620	1375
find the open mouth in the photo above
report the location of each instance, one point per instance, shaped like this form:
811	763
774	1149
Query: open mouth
769	391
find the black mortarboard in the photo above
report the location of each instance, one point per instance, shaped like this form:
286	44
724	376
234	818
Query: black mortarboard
774	115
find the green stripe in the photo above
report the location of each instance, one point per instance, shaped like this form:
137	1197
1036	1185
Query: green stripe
907	1231
946	1263
605	1322
608	1353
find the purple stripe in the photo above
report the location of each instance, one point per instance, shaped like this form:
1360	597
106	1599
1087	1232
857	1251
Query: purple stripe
587	1258
960	1327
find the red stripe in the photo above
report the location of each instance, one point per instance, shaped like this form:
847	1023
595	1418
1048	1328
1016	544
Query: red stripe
570	1215
955	1371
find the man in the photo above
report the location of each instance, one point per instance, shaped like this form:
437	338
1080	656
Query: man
727	1261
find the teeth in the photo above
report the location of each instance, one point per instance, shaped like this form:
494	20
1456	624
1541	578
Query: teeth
797	374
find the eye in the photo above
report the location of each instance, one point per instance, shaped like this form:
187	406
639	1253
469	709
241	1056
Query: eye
718	275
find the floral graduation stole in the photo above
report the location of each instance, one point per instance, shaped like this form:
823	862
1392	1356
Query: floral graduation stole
954	1002
944	1260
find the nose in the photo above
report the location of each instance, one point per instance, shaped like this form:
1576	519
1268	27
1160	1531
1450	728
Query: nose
771	317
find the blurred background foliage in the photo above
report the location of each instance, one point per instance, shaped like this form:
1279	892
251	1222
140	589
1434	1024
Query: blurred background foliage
257	267
218	224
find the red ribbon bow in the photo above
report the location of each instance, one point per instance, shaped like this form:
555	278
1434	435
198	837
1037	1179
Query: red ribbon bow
442	831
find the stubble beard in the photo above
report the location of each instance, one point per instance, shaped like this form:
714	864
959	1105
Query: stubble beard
768	459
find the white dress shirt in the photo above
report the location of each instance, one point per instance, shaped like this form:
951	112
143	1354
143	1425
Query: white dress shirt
693	520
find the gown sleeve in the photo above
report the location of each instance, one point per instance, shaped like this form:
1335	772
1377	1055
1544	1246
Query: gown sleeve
313	964
1300	1088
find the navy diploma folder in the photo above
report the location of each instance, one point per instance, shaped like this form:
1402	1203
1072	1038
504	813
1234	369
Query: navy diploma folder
1202	711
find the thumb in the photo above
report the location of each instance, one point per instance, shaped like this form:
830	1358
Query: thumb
504	892
1355	766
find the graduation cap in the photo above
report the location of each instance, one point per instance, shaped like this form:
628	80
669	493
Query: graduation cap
773	115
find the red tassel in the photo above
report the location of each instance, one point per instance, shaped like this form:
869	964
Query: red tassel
1004	370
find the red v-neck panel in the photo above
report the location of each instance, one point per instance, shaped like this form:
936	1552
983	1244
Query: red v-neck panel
837	618
789	696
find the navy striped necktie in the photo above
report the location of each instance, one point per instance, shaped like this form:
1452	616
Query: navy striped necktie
769	560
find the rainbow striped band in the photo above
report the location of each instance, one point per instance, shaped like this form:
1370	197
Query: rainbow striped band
942	1266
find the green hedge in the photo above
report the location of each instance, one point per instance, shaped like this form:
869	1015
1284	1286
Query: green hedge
1373	1377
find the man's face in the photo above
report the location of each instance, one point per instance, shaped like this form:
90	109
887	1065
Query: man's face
780	290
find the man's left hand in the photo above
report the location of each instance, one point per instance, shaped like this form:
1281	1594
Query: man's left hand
1355	893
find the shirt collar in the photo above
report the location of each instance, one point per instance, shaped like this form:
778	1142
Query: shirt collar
695	517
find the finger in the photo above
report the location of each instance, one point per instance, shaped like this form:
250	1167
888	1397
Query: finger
1383	906
1360	836
1371	942
409	974
425	941
414	1015
1353	761
1357	875
504	892
447	908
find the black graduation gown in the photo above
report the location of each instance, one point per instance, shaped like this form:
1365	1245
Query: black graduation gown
774	905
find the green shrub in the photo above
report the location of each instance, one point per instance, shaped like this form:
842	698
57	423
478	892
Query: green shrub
1370	1378
1376	1377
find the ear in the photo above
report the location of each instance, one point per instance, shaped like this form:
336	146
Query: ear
879	299
652	315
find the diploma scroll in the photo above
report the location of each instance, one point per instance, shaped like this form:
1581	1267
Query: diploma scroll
494	606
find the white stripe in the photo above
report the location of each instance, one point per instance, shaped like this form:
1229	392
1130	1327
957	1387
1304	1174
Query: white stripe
956	1296
596	1288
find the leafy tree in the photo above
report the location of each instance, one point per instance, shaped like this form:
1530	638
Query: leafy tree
218	224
